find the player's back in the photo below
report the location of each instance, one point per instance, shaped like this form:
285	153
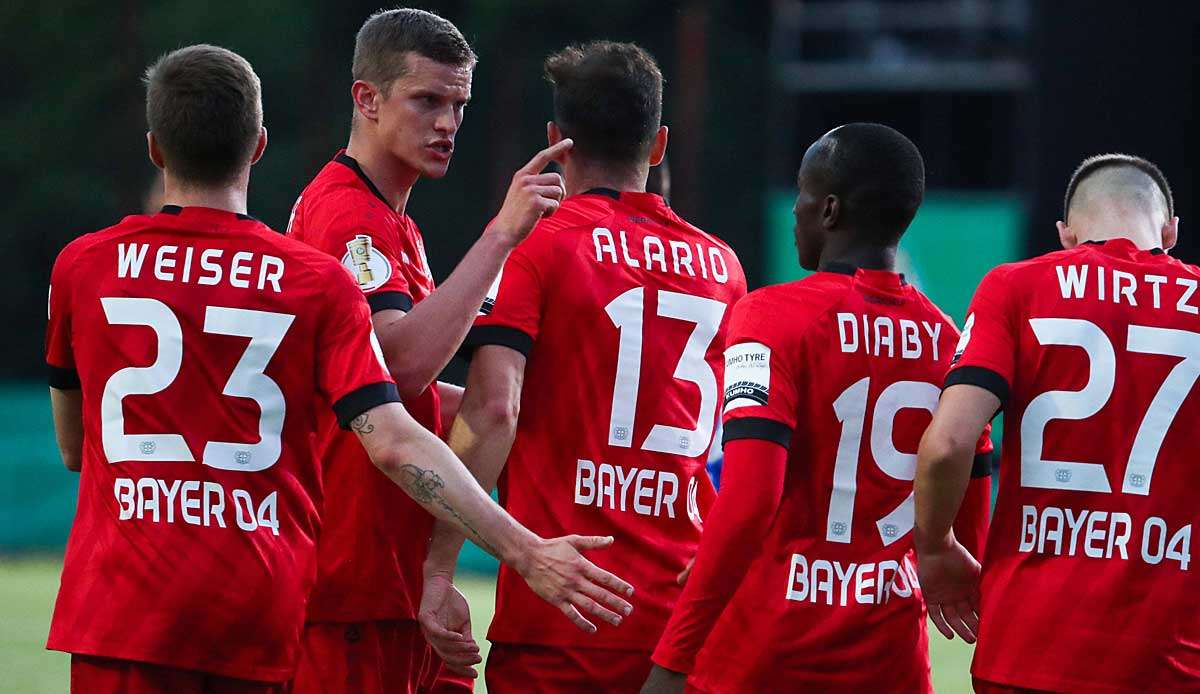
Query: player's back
201	341
844	369
1088	583
620	397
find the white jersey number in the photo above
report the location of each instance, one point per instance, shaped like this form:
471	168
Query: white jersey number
1081	404
626	311
851	410
265	330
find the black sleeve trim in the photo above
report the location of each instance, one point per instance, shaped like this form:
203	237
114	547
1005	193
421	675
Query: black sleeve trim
62	378
356	402
385	300
503	335
758	428
979	376
982	467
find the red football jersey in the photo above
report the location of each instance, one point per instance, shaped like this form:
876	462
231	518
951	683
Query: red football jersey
842	368
621	308
375	536
201	341
1087	581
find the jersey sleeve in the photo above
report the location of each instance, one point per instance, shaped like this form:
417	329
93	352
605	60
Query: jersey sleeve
512	310
60	357
350	367
357	235
971	523
986	351
761	388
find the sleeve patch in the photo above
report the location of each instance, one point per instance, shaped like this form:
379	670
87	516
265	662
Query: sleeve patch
489	301
747	375
963	339
370	268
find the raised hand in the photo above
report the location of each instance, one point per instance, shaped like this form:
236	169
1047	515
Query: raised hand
445	619
561	576
532	194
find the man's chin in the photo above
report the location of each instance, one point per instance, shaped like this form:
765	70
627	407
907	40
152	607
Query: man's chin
435	170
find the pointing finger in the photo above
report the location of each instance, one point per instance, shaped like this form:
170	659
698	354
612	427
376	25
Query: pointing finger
544	157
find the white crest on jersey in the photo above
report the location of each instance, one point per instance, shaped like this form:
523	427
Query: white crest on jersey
747	375
370	268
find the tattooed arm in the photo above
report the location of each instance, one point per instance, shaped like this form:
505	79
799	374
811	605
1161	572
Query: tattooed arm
482	436
425	468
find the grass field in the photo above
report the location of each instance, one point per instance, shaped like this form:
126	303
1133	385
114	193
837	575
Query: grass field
28	586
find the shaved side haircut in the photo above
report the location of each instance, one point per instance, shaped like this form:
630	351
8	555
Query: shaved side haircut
1122	178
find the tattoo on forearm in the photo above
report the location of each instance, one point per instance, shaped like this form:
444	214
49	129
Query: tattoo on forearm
425	486
362	424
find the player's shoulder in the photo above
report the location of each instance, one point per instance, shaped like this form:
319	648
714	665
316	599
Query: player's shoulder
81	245
309	258
690	229
336	198
792	307
1035	266
933	309
1185	268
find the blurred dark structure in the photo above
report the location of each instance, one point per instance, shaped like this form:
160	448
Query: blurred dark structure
1001	95
1112	77
74	157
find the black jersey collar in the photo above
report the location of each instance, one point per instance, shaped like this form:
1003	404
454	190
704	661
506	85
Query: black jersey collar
177	210
851	269
606	192
1101	242
352	164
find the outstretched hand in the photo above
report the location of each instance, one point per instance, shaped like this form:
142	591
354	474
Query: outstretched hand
445	619
563	577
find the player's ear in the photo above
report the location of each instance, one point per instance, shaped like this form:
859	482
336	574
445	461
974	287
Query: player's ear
659	149
260	146
1066	237
365	99
1170	233
831	209
154	152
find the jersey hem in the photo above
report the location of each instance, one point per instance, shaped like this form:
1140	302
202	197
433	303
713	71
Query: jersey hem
503	335
382	301
757	428
982	377
270	675
356	402
1053	684
982	466
62	378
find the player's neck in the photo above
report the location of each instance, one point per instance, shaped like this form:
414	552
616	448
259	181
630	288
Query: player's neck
231	198
393	178
1141	237
867	257
581	177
